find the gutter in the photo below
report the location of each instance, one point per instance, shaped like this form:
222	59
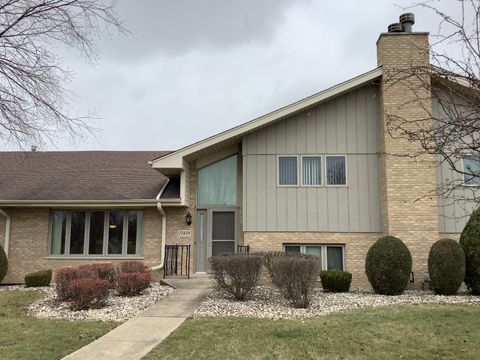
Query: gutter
7	230
164	227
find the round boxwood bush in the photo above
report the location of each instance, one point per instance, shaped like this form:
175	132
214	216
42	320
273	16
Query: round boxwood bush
446	266
335	280
388	266
3	264
470	242
38	278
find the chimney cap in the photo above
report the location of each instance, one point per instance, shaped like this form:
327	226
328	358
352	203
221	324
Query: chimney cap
407	17
395	27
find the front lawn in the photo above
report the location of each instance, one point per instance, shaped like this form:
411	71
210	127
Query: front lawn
403	332
25	337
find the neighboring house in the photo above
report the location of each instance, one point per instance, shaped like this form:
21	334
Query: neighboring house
312	177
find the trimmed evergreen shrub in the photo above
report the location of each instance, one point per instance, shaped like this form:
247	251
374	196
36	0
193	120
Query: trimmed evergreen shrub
38	278
237	274
294	276
133	283
104	271
470	242
63	277
3	264
388	266
446	266
88	293
335	280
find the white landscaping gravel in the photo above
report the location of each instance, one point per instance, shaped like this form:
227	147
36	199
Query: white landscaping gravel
267	303
118	308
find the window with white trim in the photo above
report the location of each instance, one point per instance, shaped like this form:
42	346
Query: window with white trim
336	170
288	170
330	256
96	233
471	170
311	170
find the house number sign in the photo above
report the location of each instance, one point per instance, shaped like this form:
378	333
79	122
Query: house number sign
184	233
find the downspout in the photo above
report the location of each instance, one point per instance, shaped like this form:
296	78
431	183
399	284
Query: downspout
164	235
7	231
164	228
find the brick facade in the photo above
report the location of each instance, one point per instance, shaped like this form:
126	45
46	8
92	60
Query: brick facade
29	243
406	210
356	247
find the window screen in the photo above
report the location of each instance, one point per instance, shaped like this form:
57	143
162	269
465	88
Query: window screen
334	257
77	232
223	225
287	170
95	243
115	232
336	171
59	226
312	170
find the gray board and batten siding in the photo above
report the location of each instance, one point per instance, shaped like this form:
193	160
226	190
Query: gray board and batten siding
347	124
454	208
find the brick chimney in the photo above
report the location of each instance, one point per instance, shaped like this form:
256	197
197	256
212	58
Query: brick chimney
407	210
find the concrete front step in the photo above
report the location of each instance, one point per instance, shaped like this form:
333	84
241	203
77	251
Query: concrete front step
192	283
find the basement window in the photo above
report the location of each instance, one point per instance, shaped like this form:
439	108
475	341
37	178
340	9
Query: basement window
330	256
96	233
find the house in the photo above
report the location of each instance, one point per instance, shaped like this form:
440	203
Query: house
320	176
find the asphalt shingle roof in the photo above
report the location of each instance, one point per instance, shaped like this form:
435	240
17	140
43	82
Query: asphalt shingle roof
80	175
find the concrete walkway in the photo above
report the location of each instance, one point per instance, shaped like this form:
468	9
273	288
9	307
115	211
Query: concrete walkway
138	336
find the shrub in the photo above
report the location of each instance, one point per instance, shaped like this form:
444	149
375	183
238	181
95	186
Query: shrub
270	256
388	266
86	293
104	271
294	276
3	264
133	267
237	274
335	280
470	241
38	278
133	283
63	277
446	266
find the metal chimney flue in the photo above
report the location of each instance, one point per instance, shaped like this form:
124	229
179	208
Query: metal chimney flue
407	20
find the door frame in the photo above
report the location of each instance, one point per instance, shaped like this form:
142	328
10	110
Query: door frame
209	210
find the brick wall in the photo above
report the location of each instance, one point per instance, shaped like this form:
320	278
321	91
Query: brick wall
29	243
405	182
356	247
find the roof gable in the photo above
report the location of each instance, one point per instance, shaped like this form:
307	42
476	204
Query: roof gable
175	159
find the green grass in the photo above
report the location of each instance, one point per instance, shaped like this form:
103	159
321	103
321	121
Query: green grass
25	337
409	332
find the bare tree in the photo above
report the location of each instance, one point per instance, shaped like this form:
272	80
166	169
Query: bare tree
451	132
33	97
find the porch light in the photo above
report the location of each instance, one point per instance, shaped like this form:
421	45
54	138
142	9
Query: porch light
188	218
112	226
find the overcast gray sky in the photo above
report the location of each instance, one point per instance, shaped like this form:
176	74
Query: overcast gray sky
193	68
